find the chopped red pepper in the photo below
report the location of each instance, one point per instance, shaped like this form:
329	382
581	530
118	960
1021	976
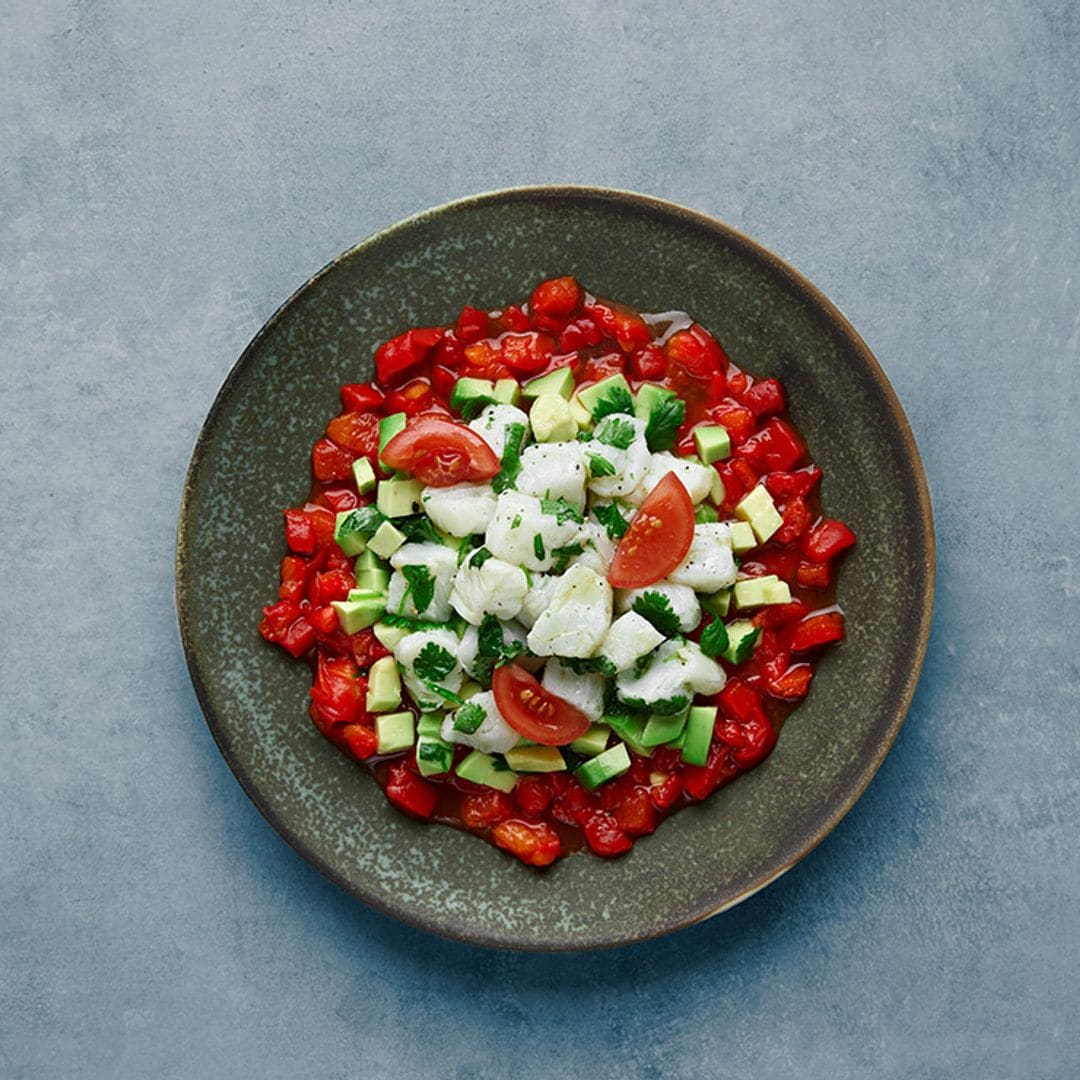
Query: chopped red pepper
603	835
410	793
827	539
485	808
764	398
776	447
817	631
533	842
359	397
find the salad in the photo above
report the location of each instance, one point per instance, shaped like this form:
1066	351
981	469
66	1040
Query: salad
563	570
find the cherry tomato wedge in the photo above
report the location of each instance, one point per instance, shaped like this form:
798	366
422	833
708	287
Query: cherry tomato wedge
658	538
533	712
441	453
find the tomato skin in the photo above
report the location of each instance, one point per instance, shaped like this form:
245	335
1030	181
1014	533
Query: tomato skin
635	814
299	532
359	397
648	362
400	354
603	835
695	352
441	453
339	694
764	398
482	809
410	793
533	712
793	684
579	334
827	539
658	538
535	843
817	631
553	301
776	447
532	795
785	485
796	517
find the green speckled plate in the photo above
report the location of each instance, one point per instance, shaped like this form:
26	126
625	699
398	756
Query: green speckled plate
251	460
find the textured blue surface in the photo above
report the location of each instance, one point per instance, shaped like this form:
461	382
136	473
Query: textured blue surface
170	173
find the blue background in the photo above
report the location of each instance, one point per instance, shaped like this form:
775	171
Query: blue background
170	172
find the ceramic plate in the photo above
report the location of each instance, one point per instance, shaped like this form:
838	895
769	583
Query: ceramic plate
251	461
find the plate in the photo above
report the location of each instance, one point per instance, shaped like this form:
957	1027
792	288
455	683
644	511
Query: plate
251	461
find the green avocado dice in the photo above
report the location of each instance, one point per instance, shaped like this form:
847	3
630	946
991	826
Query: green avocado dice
705	513
359	611
759	509
471	390
593	742
535	759
399	497
347	533
389	426
433	755
394	732
550	419
629	728
388	636
742	636
386	540
761	591
599	770
487	770
560	381
367	560
375	581
650	395
697	736
384	686
662	729
713	442
742	537
364	475
507	392
591	395
718	603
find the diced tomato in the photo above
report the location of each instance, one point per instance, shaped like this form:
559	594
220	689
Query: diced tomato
739	478
332	585
658	538
648	362
784	485
696	352
813	575
485	808
533	795
665	792
472	324
533	842
330	462
573	805
360	397
360	740
410	793
284	624
780	614
796	518
324	619
776	447
793	684
553	301
441	453
818	630
526	353
340	499
616	791
442	380
771	560
366	648
635	814
600	367
579	335
628	329
293	578
738	419
299	532
534	712
764	398
750	741
827	539
738	701
513	318
339	693
413	398
700	781
603	835
404	352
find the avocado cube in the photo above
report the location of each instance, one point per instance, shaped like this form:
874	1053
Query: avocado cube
375	581
713	442
384	686
535	759
394	732
386	540
717	604
742	537
487	770
469	689
593	742
591	395
560	381
606	766
697	737
761	591
430	723
364	475
649	395
507	392
758	508
368	560
433	755
471	390
387	635
389	426
662	729
399	497
716	490
742	637
347	534
358	613
550	419
629	728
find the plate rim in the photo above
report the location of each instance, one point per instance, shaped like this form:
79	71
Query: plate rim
913	459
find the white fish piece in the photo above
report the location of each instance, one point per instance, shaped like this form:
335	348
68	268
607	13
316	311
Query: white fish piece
599	548
493	587
631	636
493	421
538	598
410	647
519	519
584	692
469	649
460	510
554	471
630	464
709	564
493	736
440	563
577	618
678	671
697	479
684	602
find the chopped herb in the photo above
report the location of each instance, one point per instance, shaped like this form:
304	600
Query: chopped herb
479	557
466	546
366	519
663	423
563	555
418	529
406	622
516	523
665	707
538	546
434	663
612	520
656	607
528	576
642	664
511	458
468	718
473	407
561	510
616	399
745	648
589	665
618	433
599	466
489	637
421	587
714	638
449	695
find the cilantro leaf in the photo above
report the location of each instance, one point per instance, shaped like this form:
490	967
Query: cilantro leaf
663	423
617	432
589	665
746	645
561	510
489	637
563	555
511	458
421	586
417	528
656	607
668	706
365	519
538	546
714	638
642	664
466	547
407	622
479	557
449	695
599	466
616	399
612	520
434	663
468	718
473	407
